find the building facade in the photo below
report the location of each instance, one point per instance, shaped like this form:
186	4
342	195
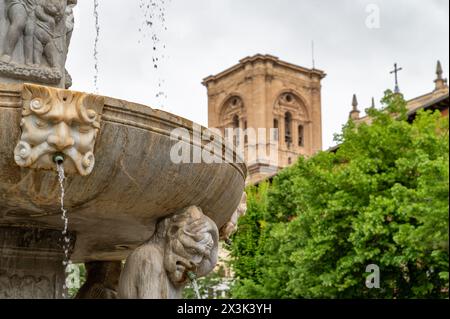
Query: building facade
263	92
435	100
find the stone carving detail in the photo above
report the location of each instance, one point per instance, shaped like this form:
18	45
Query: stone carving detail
57	121
102	280
26	287
34	39
184	243
231	227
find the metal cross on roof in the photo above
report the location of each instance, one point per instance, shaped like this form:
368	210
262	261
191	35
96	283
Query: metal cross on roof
395	71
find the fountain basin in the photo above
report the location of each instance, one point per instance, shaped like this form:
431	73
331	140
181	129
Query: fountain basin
133	185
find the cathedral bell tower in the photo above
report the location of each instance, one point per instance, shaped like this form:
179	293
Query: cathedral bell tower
283	99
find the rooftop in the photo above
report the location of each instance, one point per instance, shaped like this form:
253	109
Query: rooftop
264	58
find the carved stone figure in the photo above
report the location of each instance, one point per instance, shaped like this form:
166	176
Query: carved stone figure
70	20
18	12
17	287
35	38
58	122
47	13
184	244
231	227
102	280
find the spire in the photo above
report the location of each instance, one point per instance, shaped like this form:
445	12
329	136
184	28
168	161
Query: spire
354	114
441	83
439	71
373	103
355	103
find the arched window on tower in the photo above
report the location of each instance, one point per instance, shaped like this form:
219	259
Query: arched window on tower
301	136
288	129
276	135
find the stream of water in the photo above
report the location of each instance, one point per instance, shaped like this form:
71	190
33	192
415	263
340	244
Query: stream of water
153	27
193	278
65	231
196	288
97	35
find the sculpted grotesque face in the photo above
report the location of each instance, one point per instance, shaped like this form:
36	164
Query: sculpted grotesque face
192	245
58	122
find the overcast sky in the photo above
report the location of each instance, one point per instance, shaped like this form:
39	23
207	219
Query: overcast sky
204	37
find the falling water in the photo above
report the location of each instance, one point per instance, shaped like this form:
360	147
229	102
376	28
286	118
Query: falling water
193	278
65	232
196	288
97	35
153	25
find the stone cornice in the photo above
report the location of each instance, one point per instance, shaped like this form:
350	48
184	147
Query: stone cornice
263	58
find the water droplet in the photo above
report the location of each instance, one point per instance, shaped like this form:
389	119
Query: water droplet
97	36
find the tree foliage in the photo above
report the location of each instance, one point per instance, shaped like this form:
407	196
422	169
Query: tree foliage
381	199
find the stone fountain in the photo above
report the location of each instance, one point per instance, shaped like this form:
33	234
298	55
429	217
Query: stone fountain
126	198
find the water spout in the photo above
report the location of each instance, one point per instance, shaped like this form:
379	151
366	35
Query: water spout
58	159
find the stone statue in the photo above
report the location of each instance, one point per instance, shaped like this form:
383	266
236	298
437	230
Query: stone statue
58	122
18	12
102	280
70	21
34	40
48	13
185	244
231	227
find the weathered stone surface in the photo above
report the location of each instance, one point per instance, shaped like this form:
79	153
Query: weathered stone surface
231	227
184	245
102	280
134	183
34	40
31	263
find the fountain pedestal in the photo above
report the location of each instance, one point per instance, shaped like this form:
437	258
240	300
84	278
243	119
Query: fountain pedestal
31	263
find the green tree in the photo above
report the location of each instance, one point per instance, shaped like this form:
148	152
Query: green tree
381	199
